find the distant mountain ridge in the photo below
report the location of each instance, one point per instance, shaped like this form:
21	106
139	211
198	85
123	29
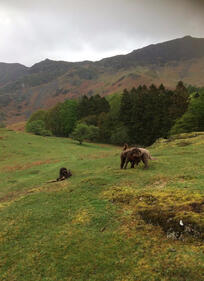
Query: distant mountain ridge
178	49
25	89
11	71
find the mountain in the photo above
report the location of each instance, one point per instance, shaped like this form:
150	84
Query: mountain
10	72
24	90
175	50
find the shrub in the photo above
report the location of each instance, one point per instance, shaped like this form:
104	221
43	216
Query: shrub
93	133
37	127
38	115
46	133
80	133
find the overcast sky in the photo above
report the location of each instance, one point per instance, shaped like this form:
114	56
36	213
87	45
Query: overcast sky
76	30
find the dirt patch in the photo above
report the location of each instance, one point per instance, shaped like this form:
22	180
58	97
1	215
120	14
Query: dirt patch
169	221
159	182
179	214
17	195
186	177
176	220
20	126
197	207
28	165
12	196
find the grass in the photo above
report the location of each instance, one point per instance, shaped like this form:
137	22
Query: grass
103	223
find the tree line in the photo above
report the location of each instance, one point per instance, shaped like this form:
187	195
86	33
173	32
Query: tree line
138	116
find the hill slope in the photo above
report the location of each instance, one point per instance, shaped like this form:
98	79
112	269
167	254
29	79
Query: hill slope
103	223
49	82
10	72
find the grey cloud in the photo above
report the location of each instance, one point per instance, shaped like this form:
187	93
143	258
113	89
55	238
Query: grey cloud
76	30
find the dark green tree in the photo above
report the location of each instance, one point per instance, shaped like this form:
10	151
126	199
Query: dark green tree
53	120
92	106
179	101
126	108
68	116
120	136
83	107
62	118
193	118
147	114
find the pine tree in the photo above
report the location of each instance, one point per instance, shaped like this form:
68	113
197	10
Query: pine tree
179	103
125	108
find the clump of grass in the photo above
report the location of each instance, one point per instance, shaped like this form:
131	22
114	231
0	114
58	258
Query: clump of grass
176	140
186	135
183	143
120	194
82	217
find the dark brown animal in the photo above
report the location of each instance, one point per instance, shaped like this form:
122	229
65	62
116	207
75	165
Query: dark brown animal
143	155
128	155
63	174
134	155
133	159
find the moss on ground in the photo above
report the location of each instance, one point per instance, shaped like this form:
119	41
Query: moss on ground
178	213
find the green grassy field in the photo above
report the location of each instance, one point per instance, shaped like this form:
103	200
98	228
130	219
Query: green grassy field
103	223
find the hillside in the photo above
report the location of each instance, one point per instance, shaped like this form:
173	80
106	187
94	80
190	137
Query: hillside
48	82
10	72
103	223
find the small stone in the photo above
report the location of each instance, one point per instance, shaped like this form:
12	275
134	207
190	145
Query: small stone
181	223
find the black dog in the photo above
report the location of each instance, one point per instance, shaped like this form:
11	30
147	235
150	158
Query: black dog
63	174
